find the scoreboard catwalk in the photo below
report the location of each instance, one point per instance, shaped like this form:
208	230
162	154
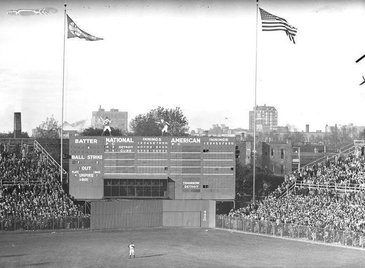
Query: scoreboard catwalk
152	167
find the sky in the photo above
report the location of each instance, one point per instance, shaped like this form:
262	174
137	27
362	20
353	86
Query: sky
196	55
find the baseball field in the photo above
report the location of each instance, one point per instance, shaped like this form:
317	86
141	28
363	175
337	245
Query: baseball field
167	247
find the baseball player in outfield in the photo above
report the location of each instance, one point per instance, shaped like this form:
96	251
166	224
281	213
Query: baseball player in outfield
106	123
131	247
165	127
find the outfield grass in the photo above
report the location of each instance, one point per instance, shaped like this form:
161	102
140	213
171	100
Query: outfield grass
167	247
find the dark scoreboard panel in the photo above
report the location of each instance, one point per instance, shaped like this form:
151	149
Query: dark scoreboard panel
152	167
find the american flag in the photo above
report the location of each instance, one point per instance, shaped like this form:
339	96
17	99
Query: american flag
271	22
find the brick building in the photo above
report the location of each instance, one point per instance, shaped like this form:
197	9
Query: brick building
277	157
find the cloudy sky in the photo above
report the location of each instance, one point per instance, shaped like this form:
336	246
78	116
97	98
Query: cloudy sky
198	55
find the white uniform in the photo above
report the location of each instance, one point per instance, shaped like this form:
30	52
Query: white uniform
107	122
131	250
165	127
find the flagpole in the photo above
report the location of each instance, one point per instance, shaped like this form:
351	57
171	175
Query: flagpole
254	114
63	92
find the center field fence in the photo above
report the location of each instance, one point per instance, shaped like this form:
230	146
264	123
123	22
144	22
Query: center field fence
300	232
14	224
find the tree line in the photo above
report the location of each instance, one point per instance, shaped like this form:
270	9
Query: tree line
148	124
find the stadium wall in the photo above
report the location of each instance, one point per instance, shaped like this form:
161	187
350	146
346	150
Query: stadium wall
189	213
121	214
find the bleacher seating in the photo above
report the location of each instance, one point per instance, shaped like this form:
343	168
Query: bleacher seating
326	195
30	188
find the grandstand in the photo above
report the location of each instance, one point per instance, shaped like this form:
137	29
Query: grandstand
322	202
31	195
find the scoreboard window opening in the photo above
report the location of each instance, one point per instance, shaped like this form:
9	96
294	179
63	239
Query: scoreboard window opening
131	188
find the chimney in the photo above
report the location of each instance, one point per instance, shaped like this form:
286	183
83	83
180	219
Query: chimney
307	128
17	125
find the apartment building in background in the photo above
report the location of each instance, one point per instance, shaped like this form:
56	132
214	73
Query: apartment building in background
266	119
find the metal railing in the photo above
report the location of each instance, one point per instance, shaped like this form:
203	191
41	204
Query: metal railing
288	189
39	147
27	181
349	187
14	224
299	232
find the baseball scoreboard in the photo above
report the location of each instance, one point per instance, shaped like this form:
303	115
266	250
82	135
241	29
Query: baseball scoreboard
152	167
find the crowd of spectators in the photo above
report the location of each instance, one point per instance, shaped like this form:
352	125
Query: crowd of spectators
30	188
341	171
47	200
327	208
25	166
320	208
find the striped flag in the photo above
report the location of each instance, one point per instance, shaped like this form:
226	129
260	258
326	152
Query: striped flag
74	31
271	22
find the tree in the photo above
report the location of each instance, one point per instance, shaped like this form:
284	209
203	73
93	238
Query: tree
50	129
151	124
265	183
244	182
11	135
98	131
